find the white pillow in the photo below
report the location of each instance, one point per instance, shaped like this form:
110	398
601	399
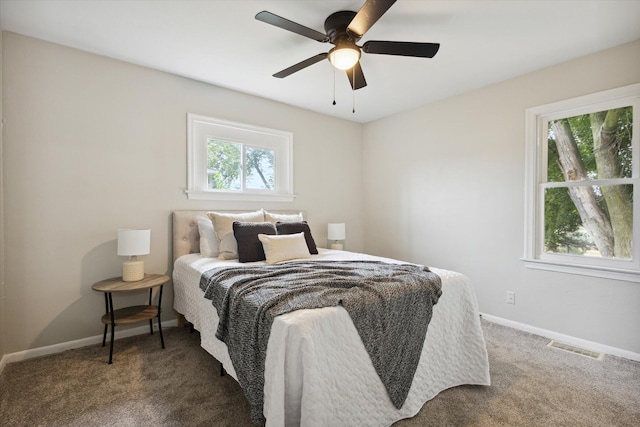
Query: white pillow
284	247
223	227
208	242
274	217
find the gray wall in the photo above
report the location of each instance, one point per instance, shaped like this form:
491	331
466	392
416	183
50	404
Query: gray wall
92	144
2	310
444	185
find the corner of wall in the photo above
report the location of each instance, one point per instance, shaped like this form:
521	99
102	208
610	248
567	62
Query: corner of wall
2	294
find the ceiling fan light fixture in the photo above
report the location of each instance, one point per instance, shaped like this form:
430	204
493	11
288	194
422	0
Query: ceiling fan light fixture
344	29
344	57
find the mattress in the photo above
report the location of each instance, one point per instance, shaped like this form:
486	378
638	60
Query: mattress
317	371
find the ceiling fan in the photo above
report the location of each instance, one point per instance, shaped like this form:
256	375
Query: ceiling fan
343	30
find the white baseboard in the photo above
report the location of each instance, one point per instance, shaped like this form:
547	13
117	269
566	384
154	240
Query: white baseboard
57	348
83	342
567	339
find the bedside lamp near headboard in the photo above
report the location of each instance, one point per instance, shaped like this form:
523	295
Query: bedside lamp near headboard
336	234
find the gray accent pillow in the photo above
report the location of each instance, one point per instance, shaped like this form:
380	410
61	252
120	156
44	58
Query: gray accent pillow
298	227
249	246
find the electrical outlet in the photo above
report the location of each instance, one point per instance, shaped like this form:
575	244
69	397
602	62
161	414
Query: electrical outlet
511	297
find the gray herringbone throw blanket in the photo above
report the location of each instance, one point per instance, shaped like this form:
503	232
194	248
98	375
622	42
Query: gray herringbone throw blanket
389	304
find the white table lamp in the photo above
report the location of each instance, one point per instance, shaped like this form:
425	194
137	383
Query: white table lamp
133	243
336	234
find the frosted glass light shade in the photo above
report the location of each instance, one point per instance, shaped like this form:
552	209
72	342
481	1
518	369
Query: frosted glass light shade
134	242
343	58
336	232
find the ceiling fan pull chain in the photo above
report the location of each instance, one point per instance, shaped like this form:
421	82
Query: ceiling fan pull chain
334	86
353	102
353	91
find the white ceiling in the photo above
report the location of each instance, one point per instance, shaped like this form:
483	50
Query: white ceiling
220	42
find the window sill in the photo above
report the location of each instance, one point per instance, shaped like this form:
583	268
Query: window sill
247	197
583	270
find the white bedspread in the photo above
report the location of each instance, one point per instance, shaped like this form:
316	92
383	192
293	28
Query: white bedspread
317	371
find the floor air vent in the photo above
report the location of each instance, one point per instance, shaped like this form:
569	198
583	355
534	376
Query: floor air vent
576	350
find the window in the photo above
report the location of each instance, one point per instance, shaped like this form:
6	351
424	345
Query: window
582	184
234	161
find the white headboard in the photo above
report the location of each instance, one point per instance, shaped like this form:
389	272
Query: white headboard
186	239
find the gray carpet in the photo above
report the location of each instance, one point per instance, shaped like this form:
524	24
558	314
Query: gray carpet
532	385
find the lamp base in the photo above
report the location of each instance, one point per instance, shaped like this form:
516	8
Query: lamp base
337	246
132	271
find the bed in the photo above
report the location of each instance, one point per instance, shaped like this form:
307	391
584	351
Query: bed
317	371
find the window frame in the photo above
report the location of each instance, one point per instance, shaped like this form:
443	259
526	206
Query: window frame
200	129
536	145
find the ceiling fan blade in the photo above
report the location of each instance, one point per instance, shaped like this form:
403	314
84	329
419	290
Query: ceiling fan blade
356	71
300	65
368	15
294	27
422	50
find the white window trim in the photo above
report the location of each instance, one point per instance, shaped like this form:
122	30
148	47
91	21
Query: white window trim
535	175
200	128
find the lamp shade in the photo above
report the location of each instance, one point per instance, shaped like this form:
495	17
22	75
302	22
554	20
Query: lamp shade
134	242
336	231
